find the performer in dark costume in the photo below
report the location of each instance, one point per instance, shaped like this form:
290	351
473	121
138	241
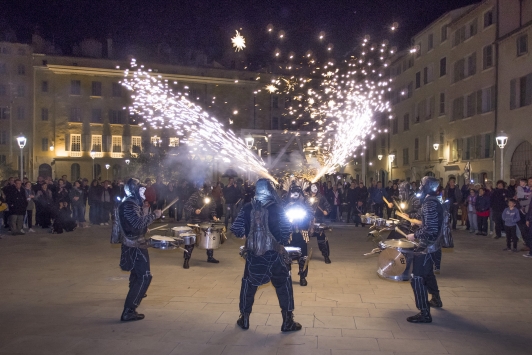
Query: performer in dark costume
429	236
299	214
321	209
134	258
266	228
202	208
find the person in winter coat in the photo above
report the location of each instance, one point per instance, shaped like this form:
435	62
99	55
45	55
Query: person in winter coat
95	202
453	194
18	203
376	194
171	194
499	199
78	207
482	208
45	200
31	206
511	216
151	194
471	211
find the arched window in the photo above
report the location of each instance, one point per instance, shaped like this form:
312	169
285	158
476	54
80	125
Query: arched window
117	171
75	172
522	161
45	170
97	171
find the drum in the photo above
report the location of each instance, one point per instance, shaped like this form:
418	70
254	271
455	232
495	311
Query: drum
391	222
380	222
395	259
367	219
177	231
220	227
163	242
187	238
208	237
294	253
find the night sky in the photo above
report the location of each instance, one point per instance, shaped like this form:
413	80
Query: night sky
208	25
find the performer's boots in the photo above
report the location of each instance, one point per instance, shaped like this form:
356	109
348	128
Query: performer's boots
324	248
302	272
243	321
210	257
186	257
436	302
288	322
421	317
130	314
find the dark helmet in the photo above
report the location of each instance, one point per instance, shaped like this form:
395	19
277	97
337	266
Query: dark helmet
405	190
132	188
265	192
295	193
429	185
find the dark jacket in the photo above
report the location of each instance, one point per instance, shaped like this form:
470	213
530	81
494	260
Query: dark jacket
377	194
330	197
232	194
457	194
498	199
361	193
482	203
351	196
75	192
95	194
196	202
17	201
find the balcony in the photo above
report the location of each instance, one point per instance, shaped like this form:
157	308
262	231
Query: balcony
75	154
117	155
97	154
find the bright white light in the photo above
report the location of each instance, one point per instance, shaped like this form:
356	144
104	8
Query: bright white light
239	42
295	213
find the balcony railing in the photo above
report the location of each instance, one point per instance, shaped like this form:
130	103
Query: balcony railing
117	155
97	154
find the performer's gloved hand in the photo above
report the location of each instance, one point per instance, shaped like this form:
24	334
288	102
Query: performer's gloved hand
158	213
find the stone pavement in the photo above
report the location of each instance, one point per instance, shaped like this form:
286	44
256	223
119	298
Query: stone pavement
63	294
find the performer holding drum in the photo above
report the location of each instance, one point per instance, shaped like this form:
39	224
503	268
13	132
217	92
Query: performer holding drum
133	225
321	209
202	208
266	228
429	236
300	215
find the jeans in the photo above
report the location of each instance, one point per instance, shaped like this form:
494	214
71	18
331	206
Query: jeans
105	211
29	218
472	217
496	216
16	223
482	224
378	209
230	213
260	270
423	280
453	211
78	213
137	261
511	236
94	212
358	220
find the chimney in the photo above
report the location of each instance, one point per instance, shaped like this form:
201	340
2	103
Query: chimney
109	47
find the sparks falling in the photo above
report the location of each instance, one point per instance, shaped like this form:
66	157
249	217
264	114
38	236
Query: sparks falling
161	108
239	42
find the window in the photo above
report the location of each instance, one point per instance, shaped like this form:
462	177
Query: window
487	100
75	114
21	113
488	18
406	122
522	45
421	108
418	53
442	103
75	142
428	74
443	33
21	91
459	36
416	149
472	28
521	92
523	99
96	143
134	118
458	108
44	86
44	114
156	141
431	41
443	66
418	80
3	159
96	115
405	156
117	144
487	57
117	90
116	117
21	69
75	87
75	172
96	88
459	70
275	122
429	113
395	126
3	137
487	146
174	142
275	101
456	151
44	145
3	90
136	144
4	113
472	64
469	146
471	104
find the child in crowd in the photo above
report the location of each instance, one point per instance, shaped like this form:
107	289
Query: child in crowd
511	216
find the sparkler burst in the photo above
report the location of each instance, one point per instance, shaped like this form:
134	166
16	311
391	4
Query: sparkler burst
161	108
239	42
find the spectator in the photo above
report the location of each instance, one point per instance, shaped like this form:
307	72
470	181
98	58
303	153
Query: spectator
351	199
453	194
61	194
217	195
464	208
5	189
393	194
182	192
78	206
482	207
107	203
171	194
160	191
68	185
150	194
95	202
18	203
30	196
360	209
361	193
376	194
232	196
512	187
46	202
85	188
498	205
510	216
334	197
471	211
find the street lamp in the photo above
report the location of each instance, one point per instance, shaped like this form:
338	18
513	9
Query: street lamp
93	155
249	141
107	166
21	140
128	161
379	156
502	140
436	146
391	157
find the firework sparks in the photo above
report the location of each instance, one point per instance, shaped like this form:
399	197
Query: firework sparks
239	42
161	108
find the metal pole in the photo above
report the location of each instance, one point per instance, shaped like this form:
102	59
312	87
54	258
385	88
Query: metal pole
21	164
93	171
502	163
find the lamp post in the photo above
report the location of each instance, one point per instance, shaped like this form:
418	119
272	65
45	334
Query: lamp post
249	141
501	140
379	156
391	157
21	140
127	164
93	155
436	146
107	166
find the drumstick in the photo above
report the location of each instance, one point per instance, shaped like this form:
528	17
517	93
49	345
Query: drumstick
401	232
170	205
411	220
164	225
385	200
